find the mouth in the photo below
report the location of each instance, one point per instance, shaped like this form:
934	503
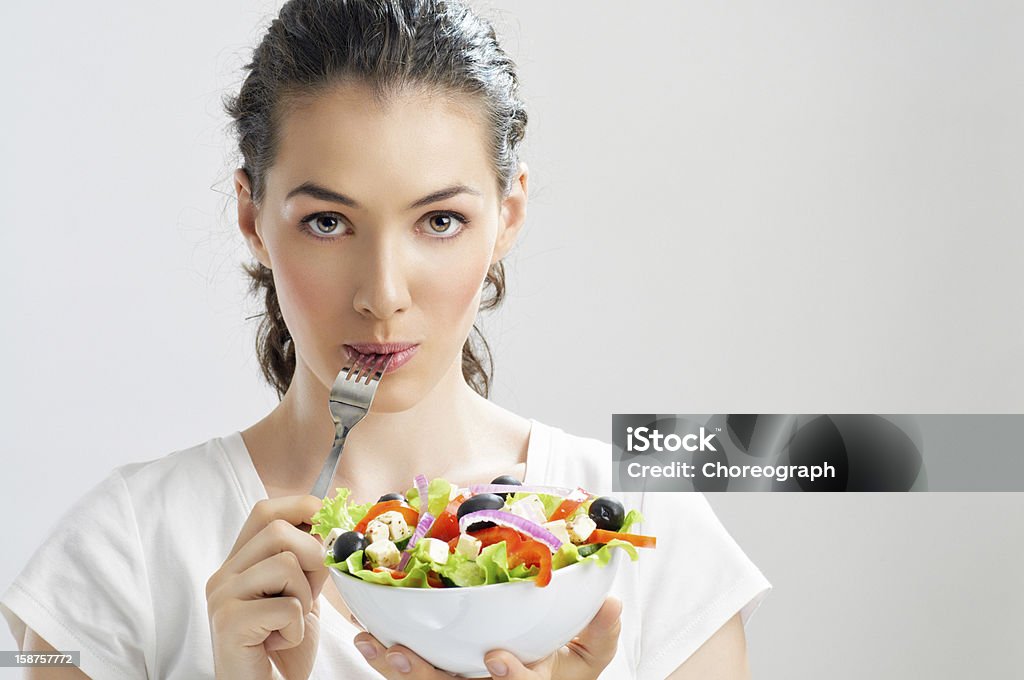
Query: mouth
399	352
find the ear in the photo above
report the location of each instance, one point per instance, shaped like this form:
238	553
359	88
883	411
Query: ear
513	215
248	221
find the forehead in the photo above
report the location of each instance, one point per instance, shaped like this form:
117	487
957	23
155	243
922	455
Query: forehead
411	143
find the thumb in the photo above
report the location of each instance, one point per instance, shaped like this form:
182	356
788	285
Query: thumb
596	644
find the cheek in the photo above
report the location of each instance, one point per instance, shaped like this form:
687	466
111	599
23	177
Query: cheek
301	293
458	294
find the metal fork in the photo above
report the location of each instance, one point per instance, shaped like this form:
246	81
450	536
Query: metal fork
351	396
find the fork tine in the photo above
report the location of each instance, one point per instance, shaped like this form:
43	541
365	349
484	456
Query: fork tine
368	368
378	373
354	371
371	369
378	366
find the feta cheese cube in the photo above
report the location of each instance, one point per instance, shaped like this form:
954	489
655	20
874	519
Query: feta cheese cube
396	525
331	538
377	531
383	554
580	528
558	529
435	550
531	508
468	546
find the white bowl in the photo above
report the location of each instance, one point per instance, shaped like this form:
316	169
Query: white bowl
452	628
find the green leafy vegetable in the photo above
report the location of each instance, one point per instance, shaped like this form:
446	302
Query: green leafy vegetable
438	492
338	512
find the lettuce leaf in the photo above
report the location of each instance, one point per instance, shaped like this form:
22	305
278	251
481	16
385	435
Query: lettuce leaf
569	554
490	566
337	512
632	517
438	491
415	573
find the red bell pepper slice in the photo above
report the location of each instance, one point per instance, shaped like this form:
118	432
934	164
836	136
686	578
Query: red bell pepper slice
411	516
492	535
603	536
532	554
565	508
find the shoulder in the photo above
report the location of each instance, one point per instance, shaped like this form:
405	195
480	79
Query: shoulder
192	474
574	460
159	502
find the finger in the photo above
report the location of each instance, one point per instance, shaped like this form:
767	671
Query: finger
295	510
586	655
249	623
596	644
506	666
396	661
279	575
277	537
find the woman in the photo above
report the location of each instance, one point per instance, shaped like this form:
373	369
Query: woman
381	188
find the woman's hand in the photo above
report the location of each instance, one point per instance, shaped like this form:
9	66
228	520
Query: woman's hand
262	602
583	658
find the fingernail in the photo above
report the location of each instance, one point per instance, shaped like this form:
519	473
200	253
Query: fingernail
367	650
399	662
496	667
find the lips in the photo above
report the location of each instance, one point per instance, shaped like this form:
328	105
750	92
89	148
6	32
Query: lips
400	352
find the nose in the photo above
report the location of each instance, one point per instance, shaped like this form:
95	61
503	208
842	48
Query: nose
382	288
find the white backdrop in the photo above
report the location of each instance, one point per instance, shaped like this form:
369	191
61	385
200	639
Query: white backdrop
809	207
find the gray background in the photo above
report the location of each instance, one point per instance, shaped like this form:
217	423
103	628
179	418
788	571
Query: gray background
735	207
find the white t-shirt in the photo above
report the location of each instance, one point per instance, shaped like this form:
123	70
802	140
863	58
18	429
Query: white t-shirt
122	578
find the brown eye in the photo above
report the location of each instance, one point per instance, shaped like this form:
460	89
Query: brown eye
445	225
441	223
324	221
323	226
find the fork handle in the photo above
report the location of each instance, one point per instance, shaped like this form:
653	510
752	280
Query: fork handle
330	465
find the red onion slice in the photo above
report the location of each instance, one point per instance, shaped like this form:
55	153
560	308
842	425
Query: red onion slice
507	519
514	488
421	487
426	521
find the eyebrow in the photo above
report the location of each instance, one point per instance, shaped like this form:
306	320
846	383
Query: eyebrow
324	194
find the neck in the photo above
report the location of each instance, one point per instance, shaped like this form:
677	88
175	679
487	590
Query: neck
450	433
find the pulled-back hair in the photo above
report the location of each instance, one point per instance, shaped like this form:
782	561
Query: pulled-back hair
390	45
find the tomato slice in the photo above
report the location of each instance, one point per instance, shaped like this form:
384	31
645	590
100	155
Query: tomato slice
565	508
603	536
453	505
411	516
395	573
533	554
434	580
445	527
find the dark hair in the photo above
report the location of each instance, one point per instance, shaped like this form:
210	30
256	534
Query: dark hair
440	45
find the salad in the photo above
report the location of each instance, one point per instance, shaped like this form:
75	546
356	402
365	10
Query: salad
437	535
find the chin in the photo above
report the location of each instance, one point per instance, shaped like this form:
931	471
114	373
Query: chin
394	400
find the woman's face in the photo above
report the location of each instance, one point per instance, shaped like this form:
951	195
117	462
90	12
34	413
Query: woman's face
380	224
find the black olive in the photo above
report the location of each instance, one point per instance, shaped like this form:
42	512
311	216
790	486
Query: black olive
506	479
348	543
393	496
607	513
482	501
